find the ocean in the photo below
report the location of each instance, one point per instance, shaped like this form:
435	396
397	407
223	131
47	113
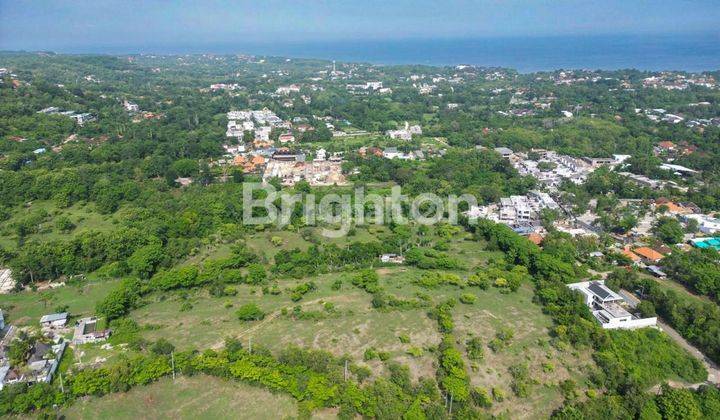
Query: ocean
527	54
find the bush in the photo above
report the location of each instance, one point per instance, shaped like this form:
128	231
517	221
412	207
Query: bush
434	279
162	346
367	280
480	280
474	349
415	351
481	397
468	298
250	312
370	354
498	394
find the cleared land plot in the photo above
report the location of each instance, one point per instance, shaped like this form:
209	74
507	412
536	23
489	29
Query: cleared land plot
187	398
354	326
26	308
494	311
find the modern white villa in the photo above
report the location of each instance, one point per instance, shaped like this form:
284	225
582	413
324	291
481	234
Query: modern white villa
608	307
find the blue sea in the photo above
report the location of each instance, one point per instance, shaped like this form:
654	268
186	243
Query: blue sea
686	52
527	54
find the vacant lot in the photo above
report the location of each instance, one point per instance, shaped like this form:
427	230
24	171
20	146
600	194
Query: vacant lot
353	326
26	308
187	398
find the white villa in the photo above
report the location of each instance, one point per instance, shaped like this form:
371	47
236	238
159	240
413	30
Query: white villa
607	307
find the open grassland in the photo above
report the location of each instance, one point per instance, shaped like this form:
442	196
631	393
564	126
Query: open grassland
187	398
340	320
42	217
26	308
353	326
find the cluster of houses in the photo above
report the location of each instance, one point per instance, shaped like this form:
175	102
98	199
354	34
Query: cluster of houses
291	168
367	87
263	157
226	86
655	184
551	168
134	109
676	81
661	115
79	118
405	133
46	348
517	211
259	122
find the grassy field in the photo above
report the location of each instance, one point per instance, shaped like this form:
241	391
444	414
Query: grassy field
187	398
26	308
340	321
83	216
355	326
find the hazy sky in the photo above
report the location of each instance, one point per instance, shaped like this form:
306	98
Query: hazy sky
95	25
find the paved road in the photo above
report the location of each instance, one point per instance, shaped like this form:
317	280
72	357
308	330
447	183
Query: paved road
712	367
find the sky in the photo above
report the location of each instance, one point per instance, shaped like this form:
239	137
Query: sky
144	26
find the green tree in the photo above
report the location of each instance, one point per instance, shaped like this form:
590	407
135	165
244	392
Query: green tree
678	404
668	230
250	312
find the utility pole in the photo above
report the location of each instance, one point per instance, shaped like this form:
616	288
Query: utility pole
346	370
451	400
250	345
62	386
172	362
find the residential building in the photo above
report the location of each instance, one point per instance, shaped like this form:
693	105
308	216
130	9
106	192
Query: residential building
131	107
392	259
286	138
608	307
405	133
504	151
648	255
635	258
706	224
86	331
517	210
54	320
7	282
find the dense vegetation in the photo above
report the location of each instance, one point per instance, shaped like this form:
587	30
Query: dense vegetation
101	201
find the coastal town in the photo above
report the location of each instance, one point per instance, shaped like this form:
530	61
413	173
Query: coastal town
126	261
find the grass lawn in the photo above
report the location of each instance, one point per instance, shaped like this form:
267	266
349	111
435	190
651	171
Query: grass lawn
26	308
187	398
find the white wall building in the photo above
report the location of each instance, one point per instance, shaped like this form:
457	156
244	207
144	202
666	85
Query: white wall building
607	306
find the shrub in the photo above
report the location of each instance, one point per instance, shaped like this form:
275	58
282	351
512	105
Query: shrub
498	394
481	397
367	280
474	349
250	312
468	298
162	346
415	351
